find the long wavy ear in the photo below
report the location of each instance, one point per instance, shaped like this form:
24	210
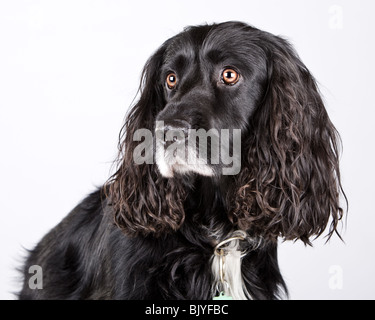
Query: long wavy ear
143	202
289	185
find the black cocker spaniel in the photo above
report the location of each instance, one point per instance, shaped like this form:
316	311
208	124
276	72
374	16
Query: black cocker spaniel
228	148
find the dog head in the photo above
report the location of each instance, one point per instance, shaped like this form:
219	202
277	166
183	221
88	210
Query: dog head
229	101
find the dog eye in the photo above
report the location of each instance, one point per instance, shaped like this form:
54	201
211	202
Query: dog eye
230	76
171	80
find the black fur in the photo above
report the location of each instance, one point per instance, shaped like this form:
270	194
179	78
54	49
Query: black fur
145	236
87	257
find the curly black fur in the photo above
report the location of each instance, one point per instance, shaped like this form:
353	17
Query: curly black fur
145	236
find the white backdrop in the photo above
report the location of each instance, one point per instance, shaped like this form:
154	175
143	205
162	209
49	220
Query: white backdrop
70	69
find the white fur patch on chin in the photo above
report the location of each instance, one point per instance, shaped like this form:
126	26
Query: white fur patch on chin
165	169
169	164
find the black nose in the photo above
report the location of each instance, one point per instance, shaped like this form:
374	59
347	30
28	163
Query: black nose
174	130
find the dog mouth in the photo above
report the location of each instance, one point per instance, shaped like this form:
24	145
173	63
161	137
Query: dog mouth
180	156
169	163
182	150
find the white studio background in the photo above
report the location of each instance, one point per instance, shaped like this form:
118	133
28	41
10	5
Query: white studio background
70	69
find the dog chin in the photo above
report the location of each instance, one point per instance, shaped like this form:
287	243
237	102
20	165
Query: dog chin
171	163
169	167
170	170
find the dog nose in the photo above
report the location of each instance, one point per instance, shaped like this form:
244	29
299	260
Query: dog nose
174	131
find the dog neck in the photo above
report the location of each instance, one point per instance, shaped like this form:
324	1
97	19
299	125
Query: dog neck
226	267
229	246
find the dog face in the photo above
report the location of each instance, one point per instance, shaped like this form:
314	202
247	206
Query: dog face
212	80
255	102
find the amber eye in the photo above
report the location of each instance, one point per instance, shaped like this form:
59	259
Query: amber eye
230	76
171	80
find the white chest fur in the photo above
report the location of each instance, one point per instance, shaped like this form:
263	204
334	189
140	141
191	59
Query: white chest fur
226	267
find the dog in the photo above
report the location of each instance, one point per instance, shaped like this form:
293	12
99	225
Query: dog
179	220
